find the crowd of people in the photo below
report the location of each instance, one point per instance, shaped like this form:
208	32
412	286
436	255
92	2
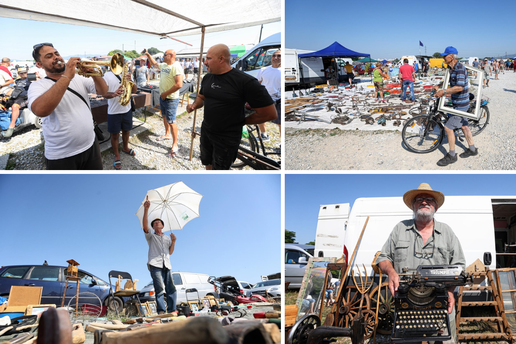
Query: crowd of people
61	99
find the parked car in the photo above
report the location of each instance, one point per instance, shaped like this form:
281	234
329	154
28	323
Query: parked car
296	259
271	288
53	280
244	286
183	281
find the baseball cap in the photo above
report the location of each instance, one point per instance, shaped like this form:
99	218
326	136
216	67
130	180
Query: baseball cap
449	50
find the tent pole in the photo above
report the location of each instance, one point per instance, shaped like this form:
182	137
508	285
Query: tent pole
198	89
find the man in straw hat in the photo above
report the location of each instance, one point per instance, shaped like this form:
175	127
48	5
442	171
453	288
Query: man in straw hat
421	241
160	249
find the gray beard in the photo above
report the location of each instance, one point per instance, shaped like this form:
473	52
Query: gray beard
423	217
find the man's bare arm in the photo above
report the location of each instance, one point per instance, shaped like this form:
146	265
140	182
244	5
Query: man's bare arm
262	115
45	104
197	104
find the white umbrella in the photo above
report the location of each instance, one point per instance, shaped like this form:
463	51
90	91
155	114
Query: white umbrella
176	204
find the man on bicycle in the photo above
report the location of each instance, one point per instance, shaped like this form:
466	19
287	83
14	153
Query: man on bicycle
459	91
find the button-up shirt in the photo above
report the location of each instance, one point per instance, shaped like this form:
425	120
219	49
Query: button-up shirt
405	247
159	246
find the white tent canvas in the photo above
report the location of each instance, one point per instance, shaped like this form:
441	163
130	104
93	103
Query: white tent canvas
157	17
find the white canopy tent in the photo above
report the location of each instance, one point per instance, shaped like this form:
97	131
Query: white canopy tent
156	17
153	17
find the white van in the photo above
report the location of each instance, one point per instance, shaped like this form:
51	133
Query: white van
183	281
259	56
478	221
302	71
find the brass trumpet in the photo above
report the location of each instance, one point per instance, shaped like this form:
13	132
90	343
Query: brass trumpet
116	63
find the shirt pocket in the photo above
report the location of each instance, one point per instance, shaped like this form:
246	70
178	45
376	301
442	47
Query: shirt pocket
401	251
444	255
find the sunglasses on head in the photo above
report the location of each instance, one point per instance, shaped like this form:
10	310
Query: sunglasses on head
37	46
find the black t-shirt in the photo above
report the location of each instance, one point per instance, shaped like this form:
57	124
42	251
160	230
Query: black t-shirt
225	98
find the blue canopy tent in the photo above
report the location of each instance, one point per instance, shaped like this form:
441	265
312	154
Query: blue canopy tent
334	50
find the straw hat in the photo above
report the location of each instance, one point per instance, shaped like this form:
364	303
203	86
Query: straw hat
423	188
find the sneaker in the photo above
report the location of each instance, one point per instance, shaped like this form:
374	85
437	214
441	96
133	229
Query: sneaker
9	132
448	159
467	153
265	137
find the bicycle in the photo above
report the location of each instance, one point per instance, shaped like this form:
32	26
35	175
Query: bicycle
251	143
424	133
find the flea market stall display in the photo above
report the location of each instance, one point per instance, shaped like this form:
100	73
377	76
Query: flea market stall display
364	307
228	318
358	107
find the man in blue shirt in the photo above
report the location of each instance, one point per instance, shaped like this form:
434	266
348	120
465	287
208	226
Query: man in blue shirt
459	90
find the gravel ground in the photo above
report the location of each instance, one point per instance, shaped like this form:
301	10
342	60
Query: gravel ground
337	149
26	149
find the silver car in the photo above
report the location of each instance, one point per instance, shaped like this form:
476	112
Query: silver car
270	288
296	259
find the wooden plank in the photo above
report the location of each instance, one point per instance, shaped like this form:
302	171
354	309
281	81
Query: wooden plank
470	319
482	336
479	303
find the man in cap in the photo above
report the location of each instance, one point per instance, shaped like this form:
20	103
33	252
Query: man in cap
160	249
459	90
421	241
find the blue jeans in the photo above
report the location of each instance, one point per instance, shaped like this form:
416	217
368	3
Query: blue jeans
162	280
404	90
169	108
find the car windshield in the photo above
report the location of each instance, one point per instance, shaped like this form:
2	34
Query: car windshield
267	283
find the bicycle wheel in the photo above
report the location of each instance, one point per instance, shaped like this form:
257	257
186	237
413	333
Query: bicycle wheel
420	110
421	135
249	143
476	126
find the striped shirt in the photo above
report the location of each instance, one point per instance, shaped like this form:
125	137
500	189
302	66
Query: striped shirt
459	77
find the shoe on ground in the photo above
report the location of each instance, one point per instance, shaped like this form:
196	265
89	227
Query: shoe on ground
9	132
467	153
448	159
265	137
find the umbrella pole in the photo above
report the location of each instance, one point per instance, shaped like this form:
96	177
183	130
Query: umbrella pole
201	66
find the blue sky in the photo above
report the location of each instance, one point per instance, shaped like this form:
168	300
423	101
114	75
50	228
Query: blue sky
74	40
391	29
305	193
91	218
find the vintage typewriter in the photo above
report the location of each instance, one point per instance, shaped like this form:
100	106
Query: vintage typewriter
421	303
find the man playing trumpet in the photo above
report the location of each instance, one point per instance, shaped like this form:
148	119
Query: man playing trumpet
62	100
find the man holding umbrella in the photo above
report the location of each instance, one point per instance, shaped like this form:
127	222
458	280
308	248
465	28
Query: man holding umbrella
160	249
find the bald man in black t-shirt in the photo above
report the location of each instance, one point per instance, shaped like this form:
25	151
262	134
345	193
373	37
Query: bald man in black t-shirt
224	92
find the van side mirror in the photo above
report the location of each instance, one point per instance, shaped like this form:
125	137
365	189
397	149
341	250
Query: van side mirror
320	254
302	260
487	258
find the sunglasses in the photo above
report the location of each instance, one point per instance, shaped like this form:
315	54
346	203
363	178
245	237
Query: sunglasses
37	46
426	199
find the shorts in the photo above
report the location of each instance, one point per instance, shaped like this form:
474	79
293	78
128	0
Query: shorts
21	101
378	86
169	108
120	121
196	70
456	122
496	71
218	151
278	111
188	71
350	75
90	159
